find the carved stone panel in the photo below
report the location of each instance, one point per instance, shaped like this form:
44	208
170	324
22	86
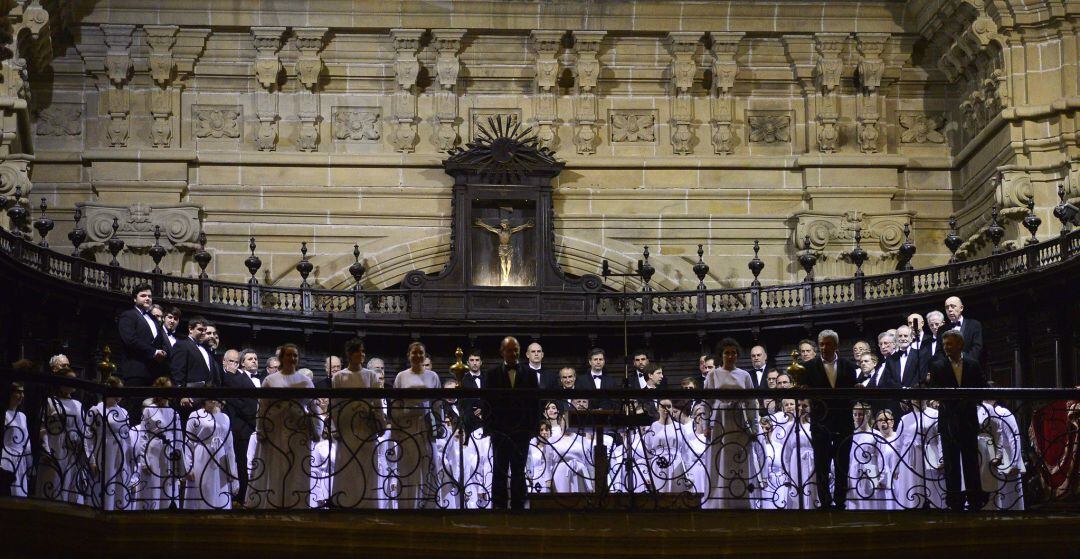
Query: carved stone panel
60	119
632	126
217	121
920	128
356	124
769	127
179	224
478	117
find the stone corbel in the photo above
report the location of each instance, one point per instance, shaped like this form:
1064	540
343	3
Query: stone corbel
118	64
406	70
267	65
161	39
307	110
1012	192
161	111
834	234
870	70
31	17
683	47
14	172
868	130
827	72
189	47
118	104
586	76
309	66
447	43
724	70
546	45
266	110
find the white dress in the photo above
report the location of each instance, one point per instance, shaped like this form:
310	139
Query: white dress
467	466
1012	495
62	473
889	451
411	433
16	451
864	471
570	454
798	458
537	469
935	463
991	449
663	445
357	424
322	467
281	469
695	460
212	460
159	465
109	446
772	480
734	469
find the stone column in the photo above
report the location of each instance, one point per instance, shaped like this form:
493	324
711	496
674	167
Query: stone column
546	46
724	70
586	76
683	46
406	69
447	43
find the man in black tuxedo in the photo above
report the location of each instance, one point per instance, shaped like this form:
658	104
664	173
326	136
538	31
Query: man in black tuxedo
143	341
903	365
191	363
241	412
759	367
930	349
970	328
472	409
595	379
958	421
545	378
510	424
642	366
830	418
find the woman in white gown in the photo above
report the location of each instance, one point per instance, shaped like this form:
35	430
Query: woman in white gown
109	450
357	424
909	484
285	429
864	468
467	465
798	459
411	433
694	424
159	467
771	479
568	455
992	458
663	443
888	448
733	426
62	474
16	456
935	463
1012	494
212	479
537	469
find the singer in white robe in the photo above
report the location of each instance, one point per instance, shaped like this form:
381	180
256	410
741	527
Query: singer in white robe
62	473
992	460
357	424
864	468
160	468
888	449
935	458
1012	494
734	427
798	459
211	473
15	457
412	432
910	490
663	442
109	451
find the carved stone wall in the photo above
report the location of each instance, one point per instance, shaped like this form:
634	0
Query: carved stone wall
328	126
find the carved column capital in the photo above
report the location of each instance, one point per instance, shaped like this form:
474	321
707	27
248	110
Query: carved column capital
829	66
546	45
683	46
447	43
724	48
871	66
118	63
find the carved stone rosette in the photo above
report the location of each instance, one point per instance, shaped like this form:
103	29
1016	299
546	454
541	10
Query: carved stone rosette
586	76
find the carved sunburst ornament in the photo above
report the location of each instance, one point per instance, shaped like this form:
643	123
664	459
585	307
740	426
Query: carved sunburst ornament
503	152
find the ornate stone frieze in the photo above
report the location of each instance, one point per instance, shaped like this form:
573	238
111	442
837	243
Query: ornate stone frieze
447	43
921	128
586	71
724	70
769	128
217	121
356	124
60	119
546	45
683	46
632	126
406	70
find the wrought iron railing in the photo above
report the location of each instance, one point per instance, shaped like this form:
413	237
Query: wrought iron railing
433	448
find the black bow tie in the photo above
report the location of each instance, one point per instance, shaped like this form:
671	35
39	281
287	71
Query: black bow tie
594	375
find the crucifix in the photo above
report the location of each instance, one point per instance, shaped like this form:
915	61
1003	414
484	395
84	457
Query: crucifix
506	251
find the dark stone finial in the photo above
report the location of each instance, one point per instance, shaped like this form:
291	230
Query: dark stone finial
17	213
953	239
605	268
77	236
858	254
253	263
1065	212
304	266
202	257
646	270
756	265
157	252
357	269
701	269
906	251
807	259
44	224
1032	223
995	231
114	244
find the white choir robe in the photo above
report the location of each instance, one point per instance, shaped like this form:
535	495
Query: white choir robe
1012	495
798	459
108	446
467	466
772	481
16	455
695	460
62	473
537	469
322	468
159	460
614	455
281	470
443	479
734	426
664	447
211	465
570	453
864	471
357	425
992	457
910	488
889	451
389	485
935	461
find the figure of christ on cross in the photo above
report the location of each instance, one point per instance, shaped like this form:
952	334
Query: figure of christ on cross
506	252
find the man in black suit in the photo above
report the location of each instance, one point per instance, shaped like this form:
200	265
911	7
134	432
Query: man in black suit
902	365
759	366
143	341
546	378
595	379
930	348
241	412
958	421
472	409
190	362
970	328
830	418
510	424
642	366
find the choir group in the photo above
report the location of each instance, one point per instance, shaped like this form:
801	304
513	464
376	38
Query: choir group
761	453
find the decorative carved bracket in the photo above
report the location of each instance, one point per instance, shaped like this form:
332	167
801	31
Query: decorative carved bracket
586	71
161	39
546	45
834	233
118	63
267	65
724	70
406	70
447	43
309	65
683	46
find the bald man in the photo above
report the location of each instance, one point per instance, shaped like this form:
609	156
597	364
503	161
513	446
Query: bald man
969	328
510	424
545	378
